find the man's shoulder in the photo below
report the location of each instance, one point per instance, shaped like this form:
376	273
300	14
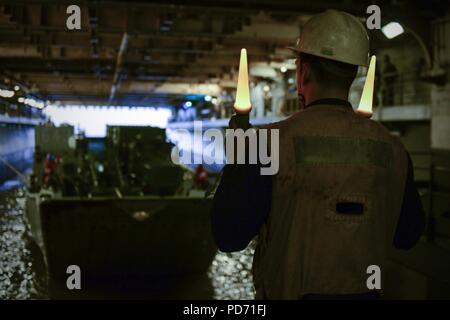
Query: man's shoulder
284	123
386	135
383	131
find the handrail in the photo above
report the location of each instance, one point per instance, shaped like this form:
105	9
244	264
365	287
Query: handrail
20	120
14	169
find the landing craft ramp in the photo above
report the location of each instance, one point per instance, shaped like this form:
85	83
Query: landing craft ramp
131	239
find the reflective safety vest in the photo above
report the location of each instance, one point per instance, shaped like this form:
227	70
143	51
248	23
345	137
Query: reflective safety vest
336	201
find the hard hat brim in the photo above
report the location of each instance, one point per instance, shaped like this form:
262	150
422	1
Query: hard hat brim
293	49
297	50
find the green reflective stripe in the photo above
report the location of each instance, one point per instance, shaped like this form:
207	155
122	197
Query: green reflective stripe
320	149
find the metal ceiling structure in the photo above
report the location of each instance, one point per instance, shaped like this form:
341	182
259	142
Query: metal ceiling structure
154	52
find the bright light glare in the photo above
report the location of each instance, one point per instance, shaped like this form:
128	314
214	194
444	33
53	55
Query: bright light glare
283	69
34	103
6	93
392	30
93	120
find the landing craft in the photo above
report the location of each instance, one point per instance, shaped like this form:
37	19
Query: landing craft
117	208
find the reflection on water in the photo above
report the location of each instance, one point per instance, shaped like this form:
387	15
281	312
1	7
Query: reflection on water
23	275
231	275
21	270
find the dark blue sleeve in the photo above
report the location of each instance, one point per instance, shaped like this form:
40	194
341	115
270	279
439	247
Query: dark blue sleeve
411	223
241	205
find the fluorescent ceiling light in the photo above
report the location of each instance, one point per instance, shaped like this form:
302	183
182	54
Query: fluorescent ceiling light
392	30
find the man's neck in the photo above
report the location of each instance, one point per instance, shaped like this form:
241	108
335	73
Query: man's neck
325	94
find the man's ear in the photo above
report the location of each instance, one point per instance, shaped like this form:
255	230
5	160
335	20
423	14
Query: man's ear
306	73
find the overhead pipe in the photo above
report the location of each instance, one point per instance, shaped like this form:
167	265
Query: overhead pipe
119	64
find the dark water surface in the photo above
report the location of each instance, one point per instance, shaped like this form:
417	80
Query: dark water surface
22	271
23	274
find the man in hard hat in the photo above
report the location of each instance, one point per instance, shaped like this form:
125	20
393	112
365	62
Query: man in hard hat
389	78
344	193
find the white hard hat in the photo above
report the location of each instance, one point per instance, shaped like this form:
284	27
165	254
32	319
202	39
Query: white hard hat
335	35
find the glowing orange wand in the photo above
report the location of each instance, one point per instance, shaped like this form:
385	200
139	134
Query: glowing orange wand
366	102
242	105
